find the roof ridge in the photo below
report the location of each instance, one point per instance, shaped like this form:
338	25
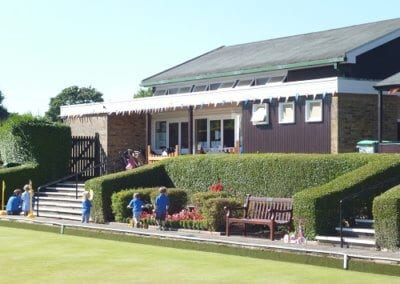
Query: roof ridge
310	33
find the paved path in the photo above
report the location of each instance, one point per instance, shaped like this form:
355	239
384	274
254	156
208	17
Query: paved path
214	237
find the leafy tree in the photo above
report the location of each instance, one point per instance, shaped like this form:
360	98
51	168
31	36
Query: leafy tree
3	111
71	96
143	93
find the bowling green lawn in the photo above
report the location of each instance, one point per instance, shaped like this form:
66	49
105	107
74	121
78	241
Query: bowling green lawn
40	257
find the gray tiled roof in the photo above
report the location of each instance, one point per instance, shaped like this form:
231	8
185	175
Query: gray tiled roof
392	81
325	46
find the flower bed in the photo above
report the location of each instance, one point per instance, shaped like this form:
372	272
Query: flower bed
184	219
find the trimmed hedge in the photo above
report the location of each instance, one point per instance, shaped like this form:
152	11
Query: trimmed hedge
28	139
318	207
17	177
274	175
214	214
177	197
103	187
386	212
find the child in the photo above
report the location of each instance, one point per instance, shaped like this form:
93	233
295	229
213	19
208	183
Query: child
161	205
26	200
136	205
86	205
14	203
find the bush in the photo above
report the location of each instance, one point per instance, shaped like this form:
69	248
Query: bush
274	175
103	187
17	177
121	199
177	199
200	198
214	215
28	139
386	212
318	207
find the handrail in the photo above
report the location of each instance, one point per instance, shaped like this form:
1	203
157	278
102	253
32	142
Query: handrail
75	175
356	194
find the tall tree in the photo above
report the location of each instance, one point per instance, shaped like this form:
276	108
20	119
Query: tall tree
143	93
3	111
71	96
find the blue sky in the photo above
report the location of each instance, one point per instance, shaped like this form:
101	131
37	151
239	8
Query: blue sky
111	45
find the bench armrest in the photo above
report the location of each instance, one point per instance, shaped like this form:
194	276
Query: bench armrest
228	210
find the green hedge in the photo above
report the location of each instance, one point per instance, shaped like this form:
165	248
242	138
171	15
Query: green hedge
103	187
177	197
274	175
214	214
28	139
17	177
386	212
318	207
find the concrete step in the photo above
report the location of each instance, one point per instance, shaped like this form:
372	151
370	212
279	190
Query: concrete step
58	193
347	240
60	216
357	231
365	223
61	204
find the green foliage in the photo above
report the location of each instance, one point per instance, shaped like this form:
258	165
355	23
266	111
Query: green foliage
214	214
103	187
274	175
28	139
119	201
3	111
200	198
318	207
71	96
386	212
142	93
17	177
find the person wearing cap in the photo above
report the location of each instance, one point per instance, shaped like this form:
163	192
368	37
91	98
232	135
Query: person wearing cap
14	203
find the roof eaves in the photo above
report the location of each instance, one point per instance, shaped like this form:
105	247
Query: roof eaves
296	65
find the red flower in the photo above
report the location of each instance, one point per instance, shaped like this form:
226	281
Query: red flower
216	187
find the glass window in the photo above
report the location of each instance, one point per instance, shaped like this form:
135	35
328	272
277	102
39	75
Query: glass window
161	135
200	88
201	133
261	81
244	83
173	134
313	110
276	79
229	132
184	90
226	85
260	114
184	135
286	112
214	86
172	91
215	133
159	92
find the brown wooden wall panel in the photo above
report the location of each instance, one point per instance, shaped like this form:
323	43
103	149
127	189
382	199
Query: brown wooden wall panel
299	137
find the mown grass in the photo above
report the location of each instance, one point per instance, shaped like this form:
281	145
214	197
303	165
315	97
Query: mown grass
41	257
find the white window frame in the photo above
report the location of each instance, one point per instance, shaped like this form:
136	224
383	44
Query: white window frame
286	120
308	118
257	108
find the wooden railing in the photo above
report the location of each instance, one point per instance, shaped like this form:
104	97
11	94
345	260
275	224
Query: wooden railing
152	158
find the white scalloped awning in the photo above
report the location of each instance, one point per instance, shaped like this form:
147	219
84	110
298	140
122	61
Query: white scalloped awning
219	97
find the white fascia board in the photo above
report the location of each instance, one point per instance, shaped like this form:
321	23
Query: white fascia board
352	54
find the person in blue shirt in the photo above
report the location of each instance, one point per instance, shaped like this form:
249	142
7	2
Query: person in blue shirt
161	205
136	204
26	200
86	205
14	203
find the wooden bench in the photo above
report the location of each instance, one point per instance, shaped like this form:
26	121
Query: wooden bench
152	158
262	211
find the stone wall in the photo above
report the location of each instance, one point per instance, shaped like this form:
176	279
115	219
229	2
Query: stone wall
355	118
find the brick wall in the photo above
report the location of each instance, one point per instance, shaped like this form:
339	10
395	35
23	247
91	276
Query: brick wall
355	118
116	132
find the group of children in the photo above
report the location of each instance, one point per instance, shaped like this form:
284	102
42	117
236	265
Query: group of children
19	202
161	206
